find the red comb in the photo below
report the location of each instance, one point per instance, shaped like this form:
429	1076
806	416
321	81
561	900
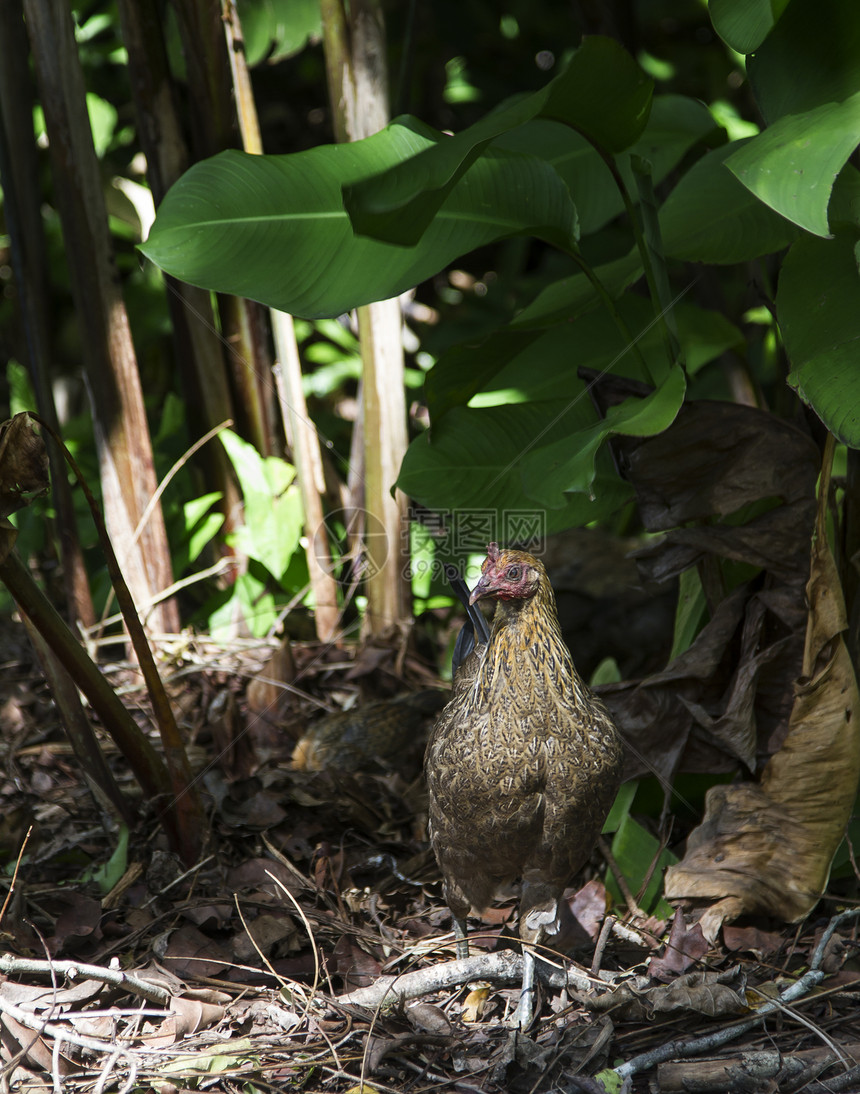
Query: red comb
493	552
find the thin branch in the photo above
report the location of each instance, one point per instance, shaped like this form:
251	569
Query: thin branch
17	966
719	1037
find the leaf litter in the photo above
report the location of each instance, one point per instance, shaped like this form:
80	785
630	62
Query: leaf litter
310	945
351	851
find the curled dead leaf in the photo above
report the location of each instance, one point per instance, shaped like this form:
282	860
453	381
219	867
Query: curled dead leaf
766	848
23	463
429	1018
714	994
474	1003
684	947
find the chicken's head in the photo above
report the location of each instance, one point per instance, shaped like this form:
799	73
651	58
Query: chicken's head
508	575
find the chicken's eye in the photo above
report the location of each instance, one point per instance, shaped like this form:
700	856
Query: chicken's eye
513	573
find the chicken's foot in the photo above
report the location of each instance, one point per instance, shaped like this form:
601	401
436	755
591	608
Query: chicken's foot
523	1016
461	937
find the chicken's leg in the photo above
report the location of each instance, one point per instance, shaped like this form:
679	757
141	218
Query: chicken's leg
461	937
523	1016
539	921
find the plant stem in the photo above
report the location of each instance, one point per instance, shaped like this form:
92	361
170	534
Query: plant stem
355	67
303	439
185	807
145	762
639	236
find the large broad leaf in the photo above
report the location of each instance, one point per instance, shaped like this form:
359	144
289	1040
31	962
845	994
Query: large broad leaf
744	24
602	93
711	217
573	296
793	165
552	472
475	463
513	366
466	369
818	306
811	57
273	228
708	217
675	125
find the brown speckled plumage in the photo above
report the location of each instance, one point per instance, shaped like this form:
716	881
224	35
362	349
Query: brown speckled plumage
524	762
380	736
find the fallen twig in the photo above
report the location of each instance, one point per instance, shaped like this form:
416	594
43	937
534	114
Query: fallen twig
719	1037
759	1066
62	1035
505	966
14	966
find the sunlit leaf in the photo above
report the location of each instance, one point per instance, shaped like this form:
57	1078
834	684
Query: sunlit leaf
793	164
275	29
602	93
273	228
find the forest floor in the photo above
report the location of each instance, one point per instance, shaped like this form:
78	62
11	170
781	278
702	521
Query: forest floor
310	947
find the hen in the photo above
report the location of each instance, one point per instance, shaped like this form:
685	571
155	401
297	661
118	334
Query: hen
522	764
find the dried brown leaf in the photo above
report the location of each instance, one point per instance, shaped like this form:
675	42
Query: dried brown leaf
715	458
79	921
23	463
258	874
266	694
776	541
474	1003
660	713
357	967
267	932
709	993
685	946
767	848
429	1018
188	953
16	1038
751	940
45	996
194	1015
187	1016
588	907
714	994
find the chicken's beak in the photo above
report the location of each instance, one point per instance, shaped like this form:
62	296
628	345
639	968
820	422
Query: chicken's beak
483	588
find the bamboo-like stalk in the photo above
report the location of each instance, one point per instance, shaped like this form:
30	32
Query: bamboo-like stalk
122	434
85	746
145	762
184	808
22	213
302	435
357	80
198	350
213	128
